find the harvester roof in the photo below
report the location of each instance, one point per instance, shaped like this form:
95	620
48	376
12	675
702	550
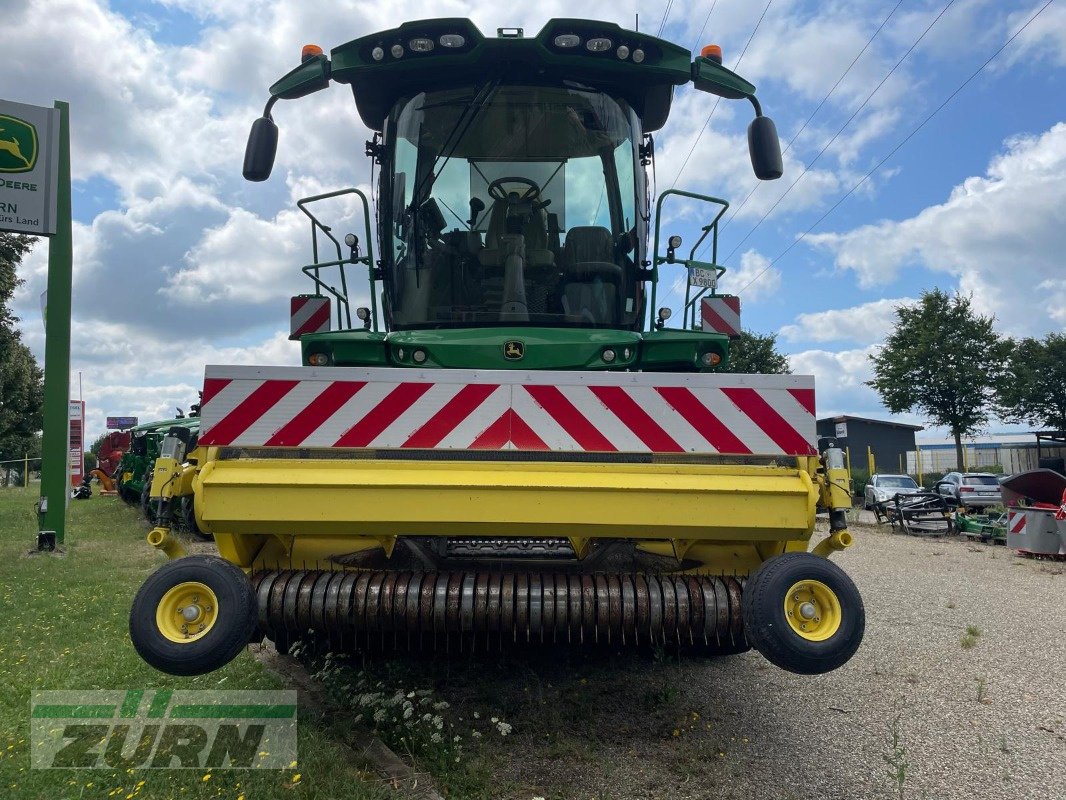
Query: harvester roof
441	53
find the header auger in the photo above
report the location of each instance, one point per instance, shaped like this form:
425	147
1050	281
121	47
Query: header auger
505	444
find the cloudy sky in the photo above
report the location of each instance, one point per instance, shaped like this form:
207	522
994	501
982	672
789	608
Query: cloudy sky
178	262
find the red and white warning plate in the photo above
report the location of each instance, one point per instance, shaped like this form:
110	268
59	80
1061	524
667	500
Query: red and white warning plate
627	412
308	314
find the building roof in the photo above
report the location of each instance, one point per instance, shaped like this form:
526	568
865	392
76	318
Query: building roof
847	417
1016	440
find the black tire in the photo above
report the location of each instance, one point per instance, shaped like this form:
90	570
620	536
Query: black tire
146	500
768	629
188	519
233	627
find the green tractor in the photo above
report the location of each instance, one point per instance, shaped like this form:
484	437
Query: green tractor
134	473
508	443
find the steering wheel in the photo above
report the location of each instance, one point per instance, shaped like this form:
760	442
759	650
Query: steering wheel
496	191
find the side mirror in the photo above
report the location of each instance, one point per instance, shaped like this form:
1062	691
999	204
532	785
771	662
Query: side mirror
261	149
765	149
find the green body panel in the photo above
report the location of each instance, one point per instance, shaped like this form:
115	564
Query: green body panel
666	60
670	350
984	526
542	349
357	348
710	76
310	76
378	84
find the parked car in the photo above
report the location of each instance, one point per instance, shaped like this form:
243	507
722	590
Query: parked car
971	489
882	488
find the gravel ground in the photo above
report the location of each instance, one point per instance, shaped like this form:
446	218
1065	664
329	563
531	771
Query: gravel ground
988	721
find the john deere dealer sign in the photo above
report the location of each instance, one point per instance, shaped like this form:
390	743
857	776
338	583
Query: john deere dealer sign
29	166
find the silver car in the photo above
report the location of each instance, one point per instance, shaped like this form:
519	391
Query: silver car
883	488
971	489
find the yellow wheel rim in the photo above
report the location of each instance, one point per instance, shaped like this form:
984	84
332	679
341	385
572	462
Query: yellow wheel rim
812	610
186	612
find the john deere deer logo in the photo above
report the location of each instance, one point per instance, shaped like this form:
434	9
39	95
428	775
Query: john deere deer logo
18	145
513	351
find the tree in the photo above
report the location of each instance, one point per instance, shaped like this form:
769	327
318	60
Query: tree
1035	387
21	380
756	353
943	360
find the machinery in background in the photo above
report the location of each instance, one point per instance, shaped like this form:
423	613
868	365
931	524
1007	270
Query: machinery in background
1036	513
133	475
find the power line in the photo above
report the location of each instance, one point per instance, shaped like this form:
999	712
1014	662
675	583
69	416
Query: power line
704	28
818	108
896	149
836	135
719	99
666	16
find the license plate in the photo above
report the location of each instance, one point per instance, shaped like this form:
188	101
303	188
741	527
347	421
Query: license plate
700	276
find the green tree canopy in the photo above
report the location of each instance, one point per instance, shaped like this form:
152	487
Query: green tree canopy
944	361
1035	387
756	353
21	380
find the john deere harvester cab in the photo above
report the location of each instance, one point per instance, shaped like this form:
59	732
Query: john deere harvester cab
506	444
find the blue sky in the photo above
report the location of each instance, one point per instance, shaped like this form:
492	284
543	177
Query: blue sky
178	262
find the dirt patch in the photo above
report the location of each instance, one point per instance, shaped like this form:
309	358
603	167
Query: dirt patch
916	713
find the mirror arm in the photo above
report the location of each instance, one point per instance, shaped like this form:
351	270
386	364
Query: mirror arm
754	102
269	107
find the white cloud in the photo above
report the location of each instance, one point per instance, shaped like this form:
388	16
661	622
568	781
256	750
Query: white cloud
1045	38
1001	236
754	279
865	324
840	380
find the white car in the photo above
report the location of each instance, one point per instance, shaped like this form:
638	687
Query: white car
883	488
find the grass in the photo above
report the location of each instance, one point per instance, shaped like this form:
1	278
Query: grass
896	758
65	620
969	639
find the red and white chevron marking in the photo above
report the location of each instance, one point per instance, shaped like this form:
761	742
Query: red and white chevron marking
1016	521
308	314
721	315
503	409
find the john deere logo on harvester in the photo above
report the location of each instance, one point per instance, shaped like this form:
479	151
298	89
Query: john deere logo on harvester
18	145
513	351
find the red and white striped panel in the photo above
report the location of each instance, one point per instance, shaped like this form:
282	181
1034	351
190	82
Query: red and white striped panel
629	412
308	314
1016	522
721	315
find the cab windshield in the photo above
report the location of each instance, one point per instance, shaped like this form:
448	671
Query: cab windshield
512	205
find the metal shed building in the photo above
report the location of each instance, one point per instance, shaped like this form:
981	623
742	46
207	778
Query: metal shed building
889	441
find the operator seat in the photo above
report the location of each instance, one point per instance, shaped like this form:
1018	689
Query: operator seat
591	280
534	229
531	223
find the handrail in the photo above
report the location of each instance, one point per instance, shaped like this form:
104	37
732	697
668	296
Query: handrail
709	229
317	266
